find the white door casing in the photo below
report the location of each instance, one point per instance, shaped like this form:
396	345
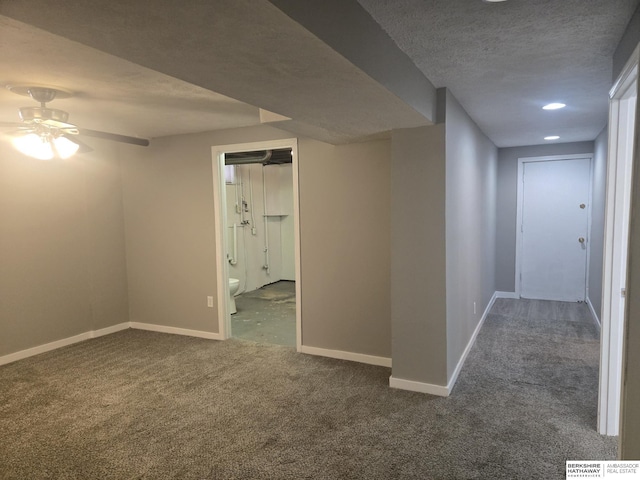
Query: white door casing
219	202
553	226
622	120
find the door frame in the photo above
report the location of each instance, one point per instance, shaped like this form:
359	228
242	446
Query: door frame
220	209
617	212
520	203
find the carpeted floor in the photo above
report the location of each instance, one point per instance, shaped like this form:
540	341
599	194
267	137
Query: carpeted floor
143	405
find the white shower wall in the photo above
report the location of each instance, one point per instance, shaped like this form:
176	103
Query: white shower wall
250	256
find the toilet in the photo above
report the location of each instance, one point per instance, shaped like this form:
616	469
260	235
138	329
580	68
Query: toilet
234	284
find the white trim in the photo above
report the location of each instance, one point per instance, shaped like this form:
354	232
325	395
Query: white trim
614	264
296	241
628	75
519	205
219	202
507	295
222	265
420	387
472	340
595	316
47	347
175	331
341	355
109	330
440	390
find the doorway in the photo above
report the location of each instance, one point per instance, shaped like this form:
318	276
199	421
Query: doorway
622	121
257	241
554	197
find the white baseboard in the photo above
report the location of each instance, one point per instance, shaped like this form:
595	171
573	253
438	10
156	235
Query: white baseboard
175	331
472	340
506	295
593	313
109	330
419	387
353	357
47	347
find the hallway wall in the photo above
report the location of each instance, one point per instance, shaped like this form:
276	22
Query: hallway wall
443	244
418	255
596	237
471	169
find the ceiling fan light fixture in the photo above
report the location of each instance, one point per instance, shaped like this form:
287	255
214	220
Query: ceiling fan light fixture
64	147
34	146
45	146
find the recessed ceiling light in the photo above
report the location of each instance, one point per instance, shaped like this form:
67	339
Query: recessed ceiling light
493	1
554	106
552	137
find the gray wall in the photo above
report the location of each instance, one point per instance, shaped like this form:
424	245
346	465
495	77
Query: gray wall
345	209
596	238
471	168
62	247
507	203
418	255
371	50
627	44
345	220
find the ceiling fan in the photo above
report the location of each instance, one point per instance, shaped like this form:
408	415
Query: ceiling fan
44	132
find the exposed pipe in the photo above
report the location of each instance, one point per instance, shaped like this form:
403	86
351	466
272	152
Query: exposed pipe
234	248
266	224
243	160
253	218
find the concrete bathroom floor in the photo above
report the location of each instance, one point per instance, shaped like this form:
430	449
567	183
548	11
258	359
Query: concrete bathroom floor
267	315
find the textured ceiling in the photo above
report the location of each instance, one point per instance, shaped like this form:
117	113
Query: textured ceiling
108	92
151	67
245	49
504	61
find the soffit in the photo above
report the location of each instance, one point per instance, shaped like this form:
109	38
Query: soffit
245	50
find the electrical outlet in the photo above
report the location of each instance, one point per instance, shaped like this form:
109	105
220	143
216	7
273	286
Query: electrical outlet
210	302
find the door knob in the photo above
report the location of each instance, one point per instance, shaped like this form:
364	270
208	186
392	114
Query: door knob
581	239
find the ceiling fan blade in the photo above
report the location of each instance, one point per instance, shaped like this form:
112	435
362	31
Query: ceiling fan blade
143	142
13	124
61	125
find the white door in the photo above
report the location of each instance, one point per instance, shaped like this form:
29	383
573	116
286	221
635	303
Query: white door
555	222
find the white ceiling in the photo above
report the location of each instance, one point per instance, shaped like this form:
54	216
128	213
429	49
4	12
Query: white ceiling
502	61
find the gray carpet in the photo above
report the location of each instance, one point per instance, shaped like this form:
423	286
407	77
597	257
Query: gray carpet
143	405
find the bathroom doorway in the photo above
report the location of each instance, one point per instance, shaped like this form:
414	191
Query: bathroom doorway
257	240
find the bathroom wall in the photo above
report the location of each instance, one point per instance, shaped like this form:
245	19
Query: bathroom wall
246	210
